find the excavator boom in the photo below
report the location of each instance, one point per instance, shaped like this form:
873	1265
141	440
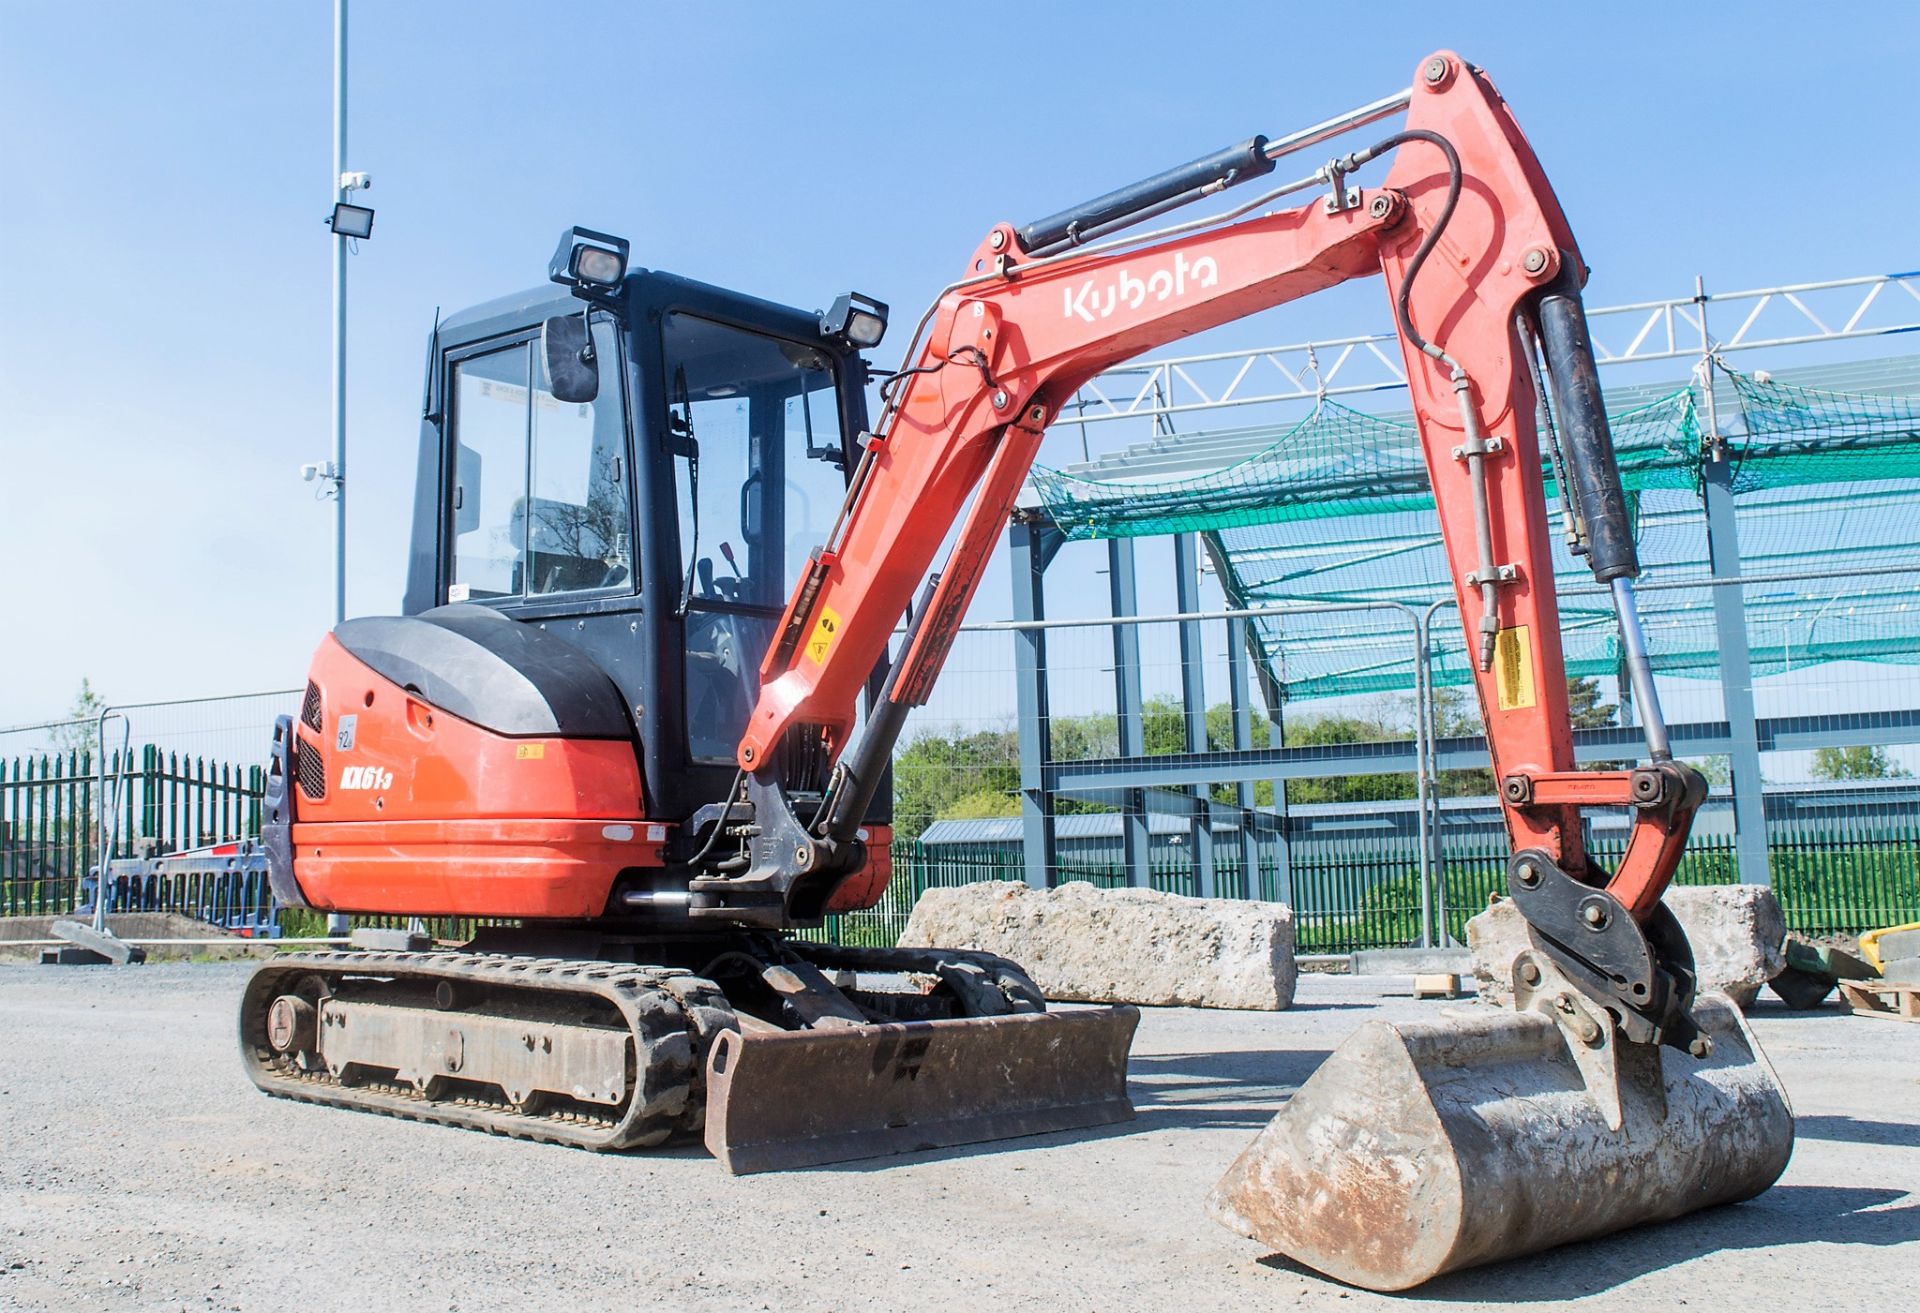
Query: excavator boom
1484	276
1609	1096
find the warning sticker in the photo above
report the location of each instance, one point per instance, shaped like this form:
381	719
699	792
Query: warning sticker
825	630
530	752
1513	668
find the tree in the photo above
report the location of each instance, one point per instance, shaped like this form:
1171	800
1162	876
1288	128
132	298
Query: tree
980	805
1584	706
1858	763
79	733
1345	788
934	774
1715	770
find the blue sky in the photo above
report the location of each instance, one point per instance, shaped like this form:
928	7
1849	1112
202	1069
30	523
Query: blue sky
163	355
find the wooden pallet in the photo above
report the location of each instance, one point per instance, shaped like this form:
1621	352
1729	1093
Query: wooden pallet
1876	998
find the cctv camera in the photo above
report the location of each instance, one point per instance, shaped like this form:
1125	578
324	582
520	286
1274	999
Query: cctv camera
355	181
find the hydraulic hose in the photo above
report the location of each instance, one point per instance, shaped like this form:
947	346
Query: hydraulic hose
1403	313
1474	448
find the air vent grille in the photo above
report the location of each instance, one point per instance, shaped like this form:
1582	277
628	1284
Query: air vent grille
311	768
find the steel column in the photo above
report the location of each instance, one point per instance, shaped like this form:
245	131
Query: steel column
1242	741
1193	700
1730	624
338	924
1031	547
339	473
1736	667
1124	593
1283	848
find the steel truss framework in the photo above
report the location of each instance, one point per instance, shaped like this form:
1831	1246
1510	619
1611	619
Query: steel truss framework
1842	309
1673	329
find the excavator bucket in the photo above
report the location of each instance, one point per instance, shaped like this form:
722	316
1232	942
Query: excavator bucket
1420	1149
786	1099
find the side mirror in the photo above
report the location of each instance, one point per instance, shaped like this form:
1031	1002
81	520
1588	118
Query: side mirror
573	374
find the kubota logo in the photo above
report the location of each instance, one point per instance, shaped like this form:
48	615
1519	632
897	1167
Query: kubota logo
1089	299
366	777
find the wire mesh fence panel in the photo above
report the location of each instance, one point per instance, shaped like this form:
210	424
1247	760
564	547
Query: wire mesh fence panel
173	777
47	830
1157	755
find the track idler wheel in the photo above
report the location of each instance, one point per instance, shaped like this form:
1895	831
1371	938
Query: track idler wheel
293	1025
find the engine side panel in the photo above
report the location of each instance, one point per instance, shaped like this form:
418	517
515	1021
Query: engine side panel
400	807
530	868
403	807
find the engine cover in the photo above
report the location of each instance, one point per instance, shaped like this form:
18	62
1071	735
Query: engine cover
462	764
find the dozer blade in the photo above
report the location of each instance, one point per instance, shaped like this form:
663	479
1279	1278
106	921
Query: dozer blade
779	1100
1419	1149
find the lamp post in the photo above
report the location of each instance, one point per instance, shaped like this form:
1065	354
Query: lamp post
346	222
338	474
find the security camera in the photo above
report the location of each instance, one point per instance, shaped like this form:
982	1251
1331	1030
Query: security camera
317	469
355	181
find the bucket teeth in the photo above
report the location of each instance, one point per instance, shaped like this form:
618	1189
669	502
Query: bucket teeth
1421	1149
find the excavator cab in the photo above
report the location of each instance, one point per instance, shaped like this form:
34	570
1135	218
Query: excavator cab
641	466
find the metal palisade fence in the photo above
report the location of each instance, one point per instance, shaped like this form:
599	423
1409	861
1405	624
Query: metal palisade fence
1371	816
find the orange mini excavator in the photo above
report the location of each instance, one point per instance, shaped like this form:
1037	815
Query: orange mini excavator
643	769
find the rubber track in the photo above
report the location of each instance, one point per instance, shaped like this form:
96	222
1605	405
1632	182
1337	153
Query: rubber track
672	1015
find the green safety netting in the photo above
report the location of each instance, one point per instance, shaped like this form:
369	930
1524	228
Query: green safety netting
1335	461
1335	507
1800	435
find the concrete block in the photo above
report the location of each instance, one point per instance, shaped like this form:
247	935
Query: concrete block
390	941
1087	945
1801	990
1438	984
1411	961
101	943
1902	971
1898	947
1737	932
70	956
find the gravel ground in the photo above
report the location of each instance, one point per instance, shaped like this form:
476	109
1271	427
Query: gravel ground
140	1170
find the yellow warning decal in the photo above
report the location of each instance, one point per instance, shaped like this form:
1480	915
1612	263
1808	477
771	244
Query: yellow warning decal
530	752
825	630
1513	668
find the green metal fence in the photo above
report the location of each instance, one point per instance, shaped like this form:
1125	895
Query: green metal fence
47	831
1834	875
1348	897
50	818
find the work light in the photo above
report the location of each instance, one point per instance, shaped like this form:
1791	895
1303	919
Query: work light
859	321
351	221
589	261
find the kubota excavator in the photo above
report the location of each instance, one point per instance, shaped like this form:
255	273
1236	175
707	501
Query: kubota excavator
644	770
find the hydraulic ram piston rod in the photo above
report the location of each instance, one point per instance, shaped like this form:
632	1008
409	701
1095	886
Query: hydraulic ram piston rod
1327	129
1190	182
1633	640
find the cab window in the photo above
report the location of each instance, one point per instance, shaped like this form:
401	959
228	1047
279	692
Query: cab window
754	422
540	501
